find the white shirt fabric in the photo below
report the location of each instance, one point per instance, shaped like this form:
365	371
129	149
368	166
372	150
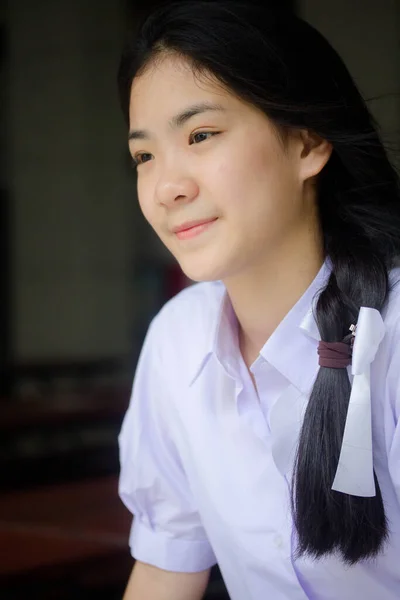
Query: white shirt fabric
201	452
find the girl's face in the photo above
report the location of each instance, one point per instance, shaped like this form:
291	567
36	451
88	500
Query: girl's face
207	157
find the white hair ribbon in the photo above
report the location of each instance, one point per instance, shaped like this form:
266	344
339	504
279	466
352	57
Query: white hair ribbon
355	471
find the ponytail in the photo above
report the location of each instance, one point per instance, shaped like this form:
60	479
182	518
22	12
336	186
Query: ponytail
328	521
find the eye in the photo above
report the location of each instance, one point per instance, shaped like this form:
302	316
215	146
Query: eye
201	136
141	158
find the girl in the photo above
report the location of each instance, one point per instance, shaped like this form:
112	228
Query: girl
263	429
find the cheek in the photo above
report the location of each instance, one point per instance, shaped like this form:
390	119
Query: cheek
262	191
238	182
250	168
227	181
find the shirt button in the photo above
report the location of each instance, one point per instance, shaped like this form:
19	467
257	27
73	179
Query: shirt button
278	541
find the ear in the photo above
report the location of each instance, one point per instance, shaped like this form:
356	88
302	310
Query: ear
314	154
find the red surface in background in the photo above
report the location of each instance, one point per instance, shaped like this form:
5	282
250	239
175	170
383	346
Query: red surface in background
59	524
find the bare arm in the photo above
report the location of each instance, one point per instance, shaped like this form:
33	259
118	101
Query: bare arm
150	583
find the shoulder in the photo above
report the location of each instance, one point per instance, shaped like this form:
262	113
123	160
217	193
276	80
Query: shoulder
385	369
175	343
390	345
391	313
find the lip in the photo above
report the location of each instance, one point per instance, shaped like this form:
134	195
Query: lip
192	224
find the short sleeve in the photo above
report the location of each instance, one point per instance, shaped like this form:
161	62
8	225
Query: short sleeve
167	531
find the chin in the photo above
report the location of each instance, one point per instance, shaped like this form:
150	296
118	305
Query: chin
203	271
198	276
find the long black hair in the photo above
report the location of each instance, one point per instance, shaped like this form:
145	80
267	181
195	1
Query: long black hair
282	65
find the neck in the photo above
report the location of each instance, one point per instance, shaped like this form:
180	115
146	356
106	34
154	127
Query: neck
262	297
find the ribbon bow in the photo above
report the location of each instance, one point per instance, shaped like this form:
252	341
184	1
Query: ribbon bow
355	471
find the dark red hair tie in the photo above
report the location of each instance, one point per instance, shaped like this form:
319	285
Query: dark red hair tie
334	355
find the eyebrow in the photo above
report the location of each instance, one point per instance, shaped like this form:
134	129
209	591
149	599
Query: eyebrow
180	119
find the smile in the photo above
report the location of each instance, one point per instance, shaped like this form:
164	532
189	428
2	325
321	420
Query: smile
188	230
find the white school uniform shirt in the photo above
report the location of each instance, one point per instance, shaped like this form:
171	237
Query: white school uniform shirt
203	465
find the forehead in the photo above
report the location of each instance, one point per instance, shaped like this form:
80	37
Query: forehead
169	84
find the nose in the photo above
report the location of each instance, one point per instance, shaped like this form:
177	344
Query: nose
173	188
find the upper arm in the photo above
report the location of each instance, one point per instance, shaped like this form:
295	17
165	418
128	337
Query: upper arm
150	583
167	530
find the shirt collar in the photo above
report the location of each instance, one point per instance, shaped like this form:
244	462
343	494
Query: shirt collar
220	335
291	349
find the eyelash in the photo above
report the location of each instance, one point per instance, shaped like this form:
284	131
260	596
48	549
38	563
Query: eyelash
136	159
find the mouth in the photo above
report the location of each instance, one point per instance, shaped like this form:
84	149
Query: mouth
192	228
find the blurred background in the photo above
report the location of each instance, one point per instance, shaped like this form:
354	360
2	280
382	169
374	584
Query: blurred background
81	275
